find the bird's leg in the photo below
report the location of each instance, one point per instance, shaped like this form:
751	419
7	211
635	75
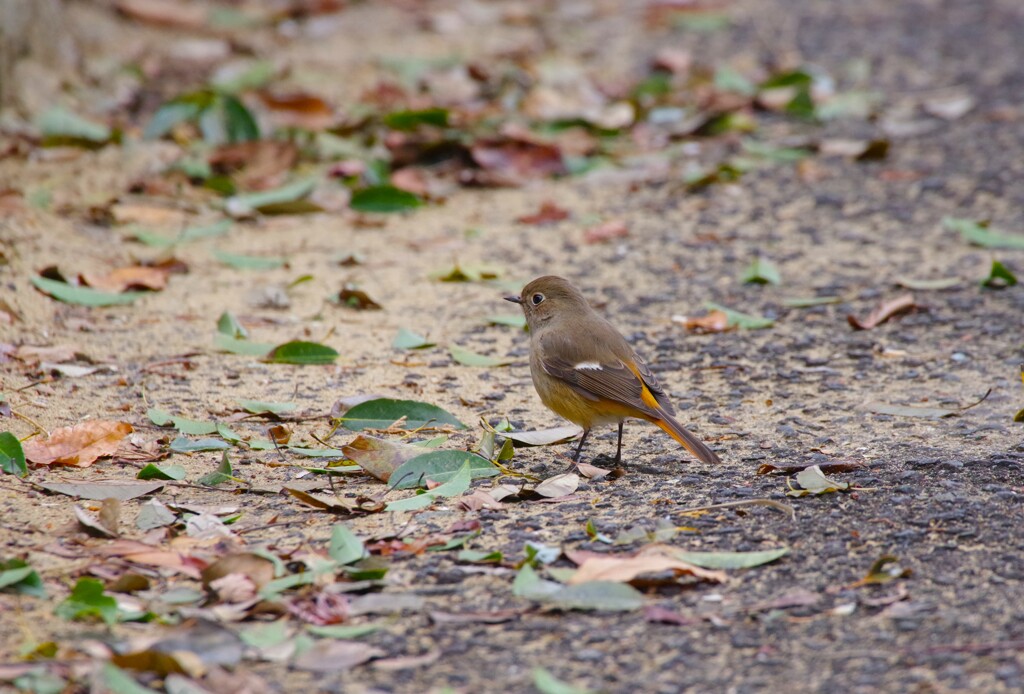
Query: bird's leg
618	451
576	455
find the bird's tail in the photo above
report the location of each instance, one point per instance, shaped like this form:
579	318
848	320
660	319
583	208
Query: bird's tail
690	442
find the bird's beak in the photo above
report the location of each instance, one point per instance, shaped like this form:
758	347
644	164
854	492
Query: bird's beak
514	299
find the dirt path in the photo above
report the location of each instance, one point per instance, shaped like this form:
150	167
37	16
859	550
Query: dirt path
942	495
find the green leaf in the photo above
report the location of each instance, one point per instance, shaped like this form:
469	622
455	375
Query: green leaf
456	486
222	474
278	199
161	418
87	601
741	320
546	683
247	262
226	343
238	120
999	277
184	445
410	120
517	320
263	407
188	234
300	352
981	235
383	200
781	155
528	584
728	560
440	466
161	472
407	339
473	556
342	631
116	681
57	124
761	271
16	576
807	302
603	596
266	635
228	325
728	80
169	115
928	284
345	547
12	457
383	412
193	427
83	296
467	358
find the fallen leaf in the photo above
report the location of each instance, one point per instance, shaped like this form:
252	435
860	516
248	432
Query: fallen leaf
591	471
813	481
950	105
626	569
257	164
169	13
606	231
514	161
469	358
544	437
548	213
928	284
720	560
884	570
478	501
379	457
980	234
125	278
495	617
558	486
32	354
353	297
335	655
712	322
298	109
79	445
885	311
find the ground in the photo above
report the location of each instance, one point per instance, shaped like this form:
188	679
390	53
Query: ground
942	495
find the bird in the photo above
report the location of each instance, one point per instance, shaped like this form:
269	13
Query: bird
585	371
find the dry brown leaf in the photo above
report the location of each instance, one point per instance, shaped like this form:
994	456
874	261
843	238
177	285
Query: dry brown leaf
257	570
513	161
478	501
714	322
31	354
412	179
548	213
606	231
79	445
136	276
885	311
333	655
298	110
625	569
169	13
591	471
147	215
256	165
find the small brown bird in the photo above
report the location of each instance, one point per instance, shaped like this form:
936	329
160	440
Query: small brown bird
585	371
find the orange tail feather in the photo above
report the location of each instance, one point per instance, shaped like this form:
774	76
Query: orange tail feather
690	442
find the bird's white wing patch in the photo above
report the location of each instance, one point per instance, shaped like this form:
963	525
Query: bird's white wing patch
588	366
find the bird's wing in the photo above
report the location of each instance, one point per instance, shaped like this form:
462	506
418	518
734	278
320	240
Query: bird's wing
609	378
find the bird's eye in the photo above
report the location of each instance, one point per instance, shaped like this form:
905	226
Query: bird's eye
537	298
